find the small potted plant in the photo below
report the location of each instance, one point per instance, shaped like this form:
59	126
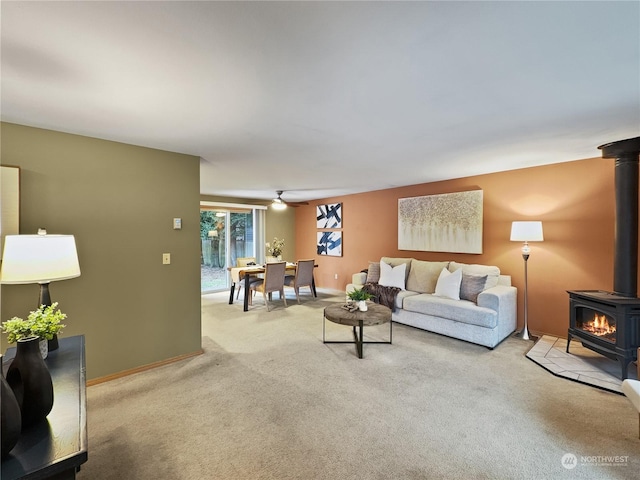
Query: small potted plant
16	329
44	323
360	296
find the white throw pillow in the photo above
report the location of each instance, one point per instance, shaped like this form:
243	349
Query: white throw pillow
449	284
392	276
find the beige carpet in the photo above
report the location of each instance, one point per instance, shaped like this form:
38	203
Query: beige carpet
269	400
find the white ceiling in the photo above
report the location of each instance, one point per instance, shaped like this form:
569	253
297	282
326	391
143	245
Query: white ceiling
327	98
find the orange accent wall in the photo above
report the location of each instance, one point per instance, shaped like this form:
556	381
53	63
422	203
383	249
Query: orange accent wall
575	202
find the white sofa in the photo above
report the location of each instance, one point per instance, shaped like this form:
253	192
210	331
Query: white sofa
631	388
486	321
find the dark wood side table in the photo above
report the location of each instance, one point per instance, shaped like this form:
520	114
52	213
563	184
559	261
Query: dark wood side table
56	447
375	315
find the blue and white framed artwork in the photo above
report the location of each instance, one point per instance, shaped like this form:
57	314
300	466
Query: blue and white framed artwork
330	243
329	216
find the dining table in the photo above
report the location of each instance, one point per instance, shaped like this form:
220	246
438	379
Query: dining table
243	274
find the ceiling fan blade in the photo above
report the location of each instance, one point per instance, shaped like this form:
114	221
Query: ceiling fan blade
279	199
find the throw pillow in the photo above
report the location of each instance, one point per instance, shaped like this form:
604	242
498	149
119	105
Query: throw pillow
424	275
392	276
394	262
449	284
471	286
373	272
492	272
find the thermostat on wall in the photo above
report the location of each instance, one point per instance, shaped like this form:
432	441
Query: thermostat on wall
177	223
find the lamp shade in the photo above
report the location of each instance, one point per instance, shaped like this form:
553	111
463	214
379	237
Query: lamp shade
39	258
526	232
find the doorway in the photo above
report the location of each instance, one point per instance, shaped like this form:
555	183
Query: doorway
225	235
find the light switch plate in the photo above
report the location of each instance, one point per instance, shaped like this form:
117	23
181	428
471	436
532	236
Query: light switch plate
177	224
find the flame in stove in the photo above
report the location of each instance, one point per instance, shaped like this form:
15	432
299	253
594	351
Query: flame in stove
600	326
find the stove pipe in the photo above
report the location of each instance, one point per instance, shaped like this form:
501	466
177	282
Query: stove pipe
625	270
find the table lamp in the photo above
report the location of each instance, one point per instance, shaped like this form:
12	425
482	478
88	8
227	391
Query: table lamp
526	232
39	259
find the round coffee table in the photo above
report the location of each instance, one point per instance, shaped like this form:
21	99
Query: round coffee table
375	315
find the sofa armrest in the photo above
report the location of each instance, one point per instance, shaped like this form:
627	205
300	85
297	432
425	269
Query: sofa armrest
501	299
359	278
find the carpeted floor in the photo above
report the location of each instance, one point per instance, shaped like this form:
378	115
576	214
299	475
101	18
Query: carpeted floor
269	400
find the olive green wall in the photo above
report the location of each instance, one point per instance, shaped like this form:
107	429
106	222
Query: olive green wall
279	223
119	201
282	224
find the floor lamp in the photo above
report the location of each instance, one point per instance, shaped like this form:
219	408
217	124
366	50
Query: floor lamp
526	232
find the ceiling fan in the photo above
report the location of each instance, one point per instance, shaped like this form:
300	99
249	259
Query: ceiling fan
279	204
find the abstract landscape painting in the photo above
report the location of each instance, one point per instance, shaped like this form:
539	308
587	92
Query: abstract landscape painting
450	222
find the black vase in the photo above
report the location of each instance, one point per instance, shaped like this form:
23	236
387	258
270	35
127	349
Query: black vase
10	417
30	380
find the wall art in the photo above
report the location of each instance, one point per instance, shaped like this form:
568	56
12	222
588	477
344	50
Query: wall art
329	216
9	202
330	243
450	222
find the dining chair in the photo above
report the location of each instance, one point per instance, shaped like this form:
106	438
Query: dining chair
273	282
302	278
239	282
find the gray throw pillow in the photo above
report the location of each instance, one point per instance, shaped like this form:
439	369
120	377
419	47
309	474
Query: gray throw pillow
492	272
471	286
373	274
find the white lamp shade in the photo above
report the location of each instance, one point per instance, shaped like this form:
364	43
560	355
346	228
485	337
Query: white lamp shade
526	232
39	259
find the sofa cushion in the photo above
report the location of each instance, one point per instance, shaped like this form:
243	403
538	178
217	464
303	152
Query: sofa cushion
394	262
359	278
492	273
461	311
424	275
402	294
471	286
373	272
449	284
392	276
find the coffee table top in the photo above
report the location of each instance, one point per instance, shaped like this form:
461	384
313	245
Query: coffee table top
375	315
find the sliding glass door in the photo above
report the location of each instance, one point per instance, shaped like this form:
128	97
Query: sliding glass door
226	234
241	242
213	258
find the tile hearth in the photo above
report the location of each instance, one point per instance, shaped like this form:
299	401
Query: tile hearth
581	364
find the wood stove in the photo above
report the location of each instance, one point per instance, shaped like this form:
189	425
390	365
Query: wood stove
609	322
606	323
